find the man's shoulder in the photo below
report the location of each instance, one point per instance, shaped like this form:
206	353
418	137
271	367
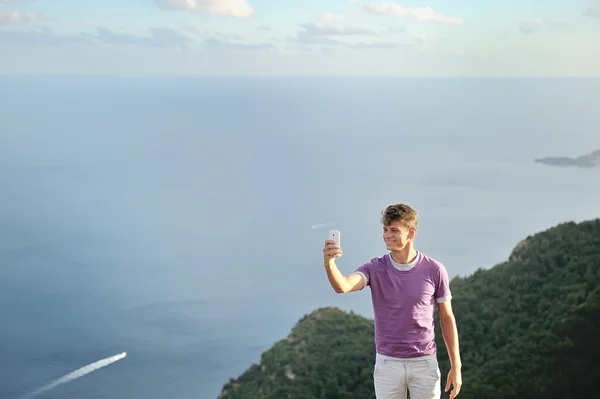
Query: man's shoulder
432	263
377	261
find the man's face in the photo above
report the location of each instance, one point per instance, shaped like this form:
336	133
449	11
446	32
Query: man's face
396	236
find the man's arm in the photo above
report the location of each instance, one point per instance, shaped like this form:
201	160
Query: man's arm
450	333
340	283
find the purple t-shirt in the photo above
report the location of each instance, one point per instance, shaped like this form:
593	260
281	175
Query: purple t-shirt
404	299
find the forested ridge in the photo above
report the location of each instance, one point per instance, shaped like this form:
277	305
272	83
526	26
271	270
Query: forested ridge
529	328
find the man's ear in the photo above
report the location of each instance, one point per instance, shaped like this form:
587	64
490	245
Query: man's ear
412	233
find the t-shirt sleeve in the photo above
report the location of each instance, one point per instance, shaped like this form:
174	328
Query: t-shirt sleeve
365	270
442	286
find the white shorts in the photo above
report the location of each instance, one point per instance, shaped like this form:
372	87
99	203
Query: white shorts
394	377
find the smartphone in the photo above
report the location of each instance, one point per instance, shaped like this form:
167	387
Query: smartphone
334	235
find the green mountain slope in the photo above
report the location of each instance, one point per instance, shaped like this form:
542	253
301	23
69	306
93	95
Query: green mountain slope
529	328
328	354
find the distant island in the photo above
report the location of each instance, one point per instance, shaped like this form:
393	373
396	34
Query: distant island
584	161
529	328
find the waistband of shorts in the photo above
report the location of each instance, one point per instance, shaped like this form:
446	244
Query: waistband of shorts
379	356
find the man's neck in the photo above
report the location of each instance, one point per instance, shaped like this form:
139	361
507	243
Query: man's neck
404	256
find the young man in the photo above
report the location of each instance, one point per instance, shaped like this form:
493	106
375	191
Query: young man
405	287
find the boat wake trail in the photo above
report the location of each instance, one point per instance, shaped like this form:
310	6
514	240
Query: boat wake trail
76	374
321	225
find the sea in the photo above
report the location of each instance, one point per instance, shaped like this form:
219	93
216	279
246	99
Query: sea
176	218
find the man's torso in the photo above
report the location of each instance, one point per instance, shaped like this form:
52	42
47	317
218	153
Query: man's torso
404	304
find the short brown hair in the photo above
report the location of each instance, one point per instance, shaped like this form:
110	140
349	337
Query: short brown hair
400	213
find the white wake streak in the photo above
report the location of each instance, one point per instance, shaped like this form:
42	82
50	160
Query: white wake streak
321	225
77	374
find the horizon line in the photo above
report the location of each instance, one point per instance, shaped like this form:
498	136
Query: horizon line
292	76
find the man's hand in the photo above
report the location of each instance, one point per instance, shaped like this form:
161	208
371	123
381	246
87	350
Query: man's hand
454	379
331	251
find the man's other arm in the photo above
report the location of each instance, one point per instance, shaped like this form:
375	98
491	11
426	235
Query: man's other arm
450	332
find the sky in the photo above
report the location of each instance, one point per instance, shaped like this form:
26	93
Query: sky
301	37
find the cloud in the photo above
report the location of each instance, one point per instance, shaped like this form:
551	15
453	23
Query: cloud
418	13
16	17
328	35
528	27
532	26
43	37
194	30
329	16
214	43
395	29
593	10
318	33
158	37
307	38
316	29
379	46
231	8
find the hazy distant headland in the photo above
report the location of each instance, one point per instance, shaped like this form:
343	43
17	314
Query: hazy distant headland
583	161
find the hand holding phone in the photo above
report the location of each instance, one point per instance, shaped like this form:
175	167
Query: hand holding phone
332	246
